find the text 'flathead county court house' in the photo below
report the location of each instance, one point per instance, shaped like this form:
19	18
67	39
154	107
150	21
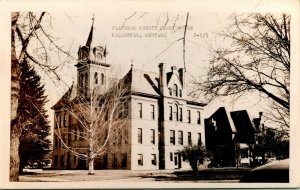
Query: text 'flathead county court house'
161	117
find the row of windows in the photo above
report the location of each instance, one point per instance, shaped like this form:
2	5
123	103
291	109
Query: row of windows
180	138
59	161
96	78
140	136
120	135
60	142
175	91
140	160
115	163
84	81
175	115
140	111
62	120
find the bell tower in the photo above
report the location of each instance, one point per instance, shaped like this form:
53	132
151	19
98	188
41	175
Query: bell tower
92	69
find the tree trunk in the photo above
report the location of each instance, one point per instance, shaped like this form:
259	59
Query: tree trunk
15	89
91	156
91	166
14	155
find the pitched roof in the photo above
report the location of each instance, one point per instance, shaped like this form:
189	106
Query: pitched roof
239	122
144	82
68	96
243	125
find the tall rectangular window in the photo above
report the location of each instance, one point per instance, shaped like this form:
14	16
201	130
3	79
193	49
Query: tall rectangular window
199	139
81	133
140	110
180	137
62	161
152	112
199	117
172	137
56	121
125	136
124	161
62	120
55	161
170	115
66	120
176	112
153	160
140	136
175	159
180	114
115	161
125	105
171	156
189	116
152	137
140	159
189	138
56	142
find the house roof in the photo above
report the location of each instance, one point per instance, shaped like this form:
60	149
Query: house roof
68	96
243	125
239	122
144	82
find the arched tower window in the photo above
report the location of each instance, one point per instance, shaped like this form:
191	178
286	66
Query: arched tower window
102	79
81	83
175	90
85	83
96	78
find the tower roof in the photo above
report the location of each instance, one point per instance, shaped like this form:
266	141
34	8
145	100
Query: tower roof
90	38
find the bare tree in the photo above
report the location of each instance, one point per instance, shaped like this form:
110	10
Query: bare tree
31	42
256	59
98	120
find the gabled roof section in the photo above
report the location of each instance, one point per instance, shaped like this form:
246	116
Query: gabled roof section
243	125
143	83
171	75
223	116
68	96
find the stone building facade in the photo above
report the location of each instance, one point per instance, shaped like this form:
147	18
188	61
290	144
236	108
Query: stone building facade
160	117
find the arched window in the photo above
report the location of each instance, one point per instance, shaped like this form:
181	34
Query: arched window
170	91
176	112
175	90
85	83
81	83
96	78
102	79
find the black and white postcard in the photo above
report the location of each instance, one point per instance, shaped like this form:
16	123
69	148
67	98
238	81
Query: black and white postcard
149	94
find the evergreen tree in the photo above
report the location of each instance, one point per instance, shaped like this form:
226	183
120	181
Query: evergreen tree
32	118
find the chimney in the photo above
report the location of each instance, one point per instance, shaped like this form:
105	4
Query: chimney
162	77
260	114
181	72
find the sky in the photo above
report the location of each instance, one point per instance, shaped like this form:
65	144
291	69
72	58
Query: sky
143	39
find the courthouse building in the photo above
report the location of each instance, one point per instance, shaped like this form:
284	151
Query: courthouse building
161	118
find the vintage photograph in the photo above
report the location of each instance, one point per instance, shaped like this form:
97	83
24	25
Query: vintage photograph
156	97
